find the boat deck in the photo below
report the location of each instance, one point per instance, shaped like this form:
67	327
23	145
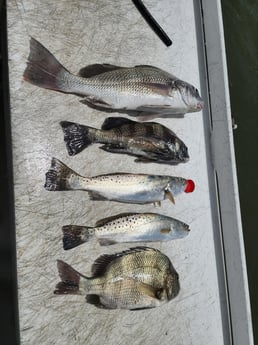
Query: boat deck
213	304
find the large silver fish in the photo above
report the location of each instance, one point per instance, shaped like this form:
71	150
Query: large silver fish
134	279
122	187
144	89
129	227
149	141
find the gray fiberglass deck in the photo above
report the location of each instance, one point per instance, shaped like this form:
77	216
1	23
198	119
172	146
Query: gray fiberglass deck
212	306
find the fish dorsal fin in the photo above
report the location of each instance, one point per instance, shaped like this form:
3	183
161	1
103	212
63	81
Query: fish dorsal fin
100	265
147	66
172	76
95	69
106	220
113	122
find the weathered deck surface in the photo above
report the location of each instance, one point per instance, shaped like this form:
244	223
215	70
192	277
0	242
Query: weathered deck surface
80	33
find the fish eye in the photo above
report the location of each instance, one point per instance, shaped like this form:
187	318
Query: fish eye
194	90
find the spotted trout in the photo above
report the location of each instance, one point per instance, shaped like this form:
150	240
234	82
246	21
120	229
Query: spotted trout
148	141
121	187
137	278
127	227
145	90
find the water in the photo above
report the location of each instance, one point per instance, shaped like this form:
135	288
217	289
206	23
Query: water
241	35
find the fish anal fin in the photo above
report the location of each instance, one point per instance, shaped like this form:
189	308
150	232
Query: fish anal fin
96	196
95	300
96	69
114	122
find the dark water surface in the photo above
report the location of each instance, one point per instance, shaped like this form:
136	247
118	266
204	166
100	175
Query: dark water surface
241	35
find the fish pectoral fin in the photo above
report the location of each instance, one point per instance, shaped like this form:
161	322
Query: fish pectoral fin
95	102
165	231
113	148
154	148
96	69
170	196
150	290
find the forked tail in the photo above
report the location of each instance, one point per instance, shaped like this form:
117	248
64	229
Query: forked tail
70	280
74	235
44	70
61	177
77	137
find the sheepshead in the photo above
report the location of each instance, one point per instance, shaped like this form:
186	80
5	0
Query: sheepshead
142	89
121	187
149	141
137	278
127	227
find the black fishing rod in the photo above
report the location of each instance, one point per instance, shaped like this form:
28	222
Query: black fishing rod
152	22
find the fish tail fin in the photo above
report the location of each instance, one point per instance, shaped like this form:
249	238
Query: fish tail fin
75	235
70	280
44	70
61	177
77	137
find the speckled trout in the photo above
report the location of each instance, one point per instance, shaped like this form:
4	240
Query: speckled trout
128	227
134	279
121	187
143	89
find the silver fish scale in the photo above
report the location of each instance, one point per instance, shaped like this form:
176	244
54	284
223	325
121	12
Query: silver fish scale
125	223
129	179
133	80
126	295
140	266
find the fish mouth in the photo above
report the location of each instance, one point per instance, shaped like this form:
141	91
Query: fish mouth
187	229
185	159
200	106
